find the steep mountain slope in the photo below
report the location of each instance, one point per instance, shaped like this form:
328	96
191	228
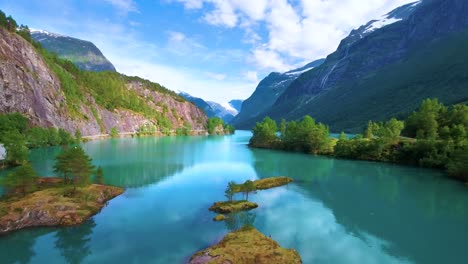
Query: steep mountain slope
54	93
223	111
385	68
236	104
83	54
266	93
200	103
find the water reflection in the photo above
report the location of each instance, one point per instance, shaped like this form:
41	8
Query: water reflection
336	211
237	220
73	242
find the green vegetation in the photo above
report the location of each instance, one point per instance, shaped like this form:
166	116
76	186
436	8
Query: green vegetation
109	89
230	191
55	205
434	69
435	137
17	136
219	217
22	180
99	175
246	245
216	126
74	165
114	133
271	182
232	206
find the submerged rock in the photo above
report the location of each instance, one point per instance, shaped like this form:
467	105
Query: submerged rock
54	207
234	206
219	217
246	245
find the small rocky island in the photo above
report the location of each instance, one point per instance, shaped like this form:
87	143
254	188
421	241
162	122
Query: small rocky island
246	245
54	207
33	201
233	206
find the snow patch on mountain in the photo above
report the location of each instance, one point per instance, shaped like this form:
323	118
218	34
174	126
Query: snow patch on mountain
229	108
385	21
41	31
298	72
388	19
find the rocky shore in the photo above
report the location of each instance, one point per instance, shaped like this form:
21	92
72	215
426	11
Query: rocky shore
246	245
54	207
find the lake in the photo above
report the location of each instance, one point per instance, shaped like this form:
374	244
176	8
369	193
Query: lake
336	211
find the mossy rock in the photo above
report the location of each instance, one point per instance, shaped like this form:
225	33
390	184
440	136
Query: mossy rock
50	207
272	182
267	183
219	217
246	245
231	207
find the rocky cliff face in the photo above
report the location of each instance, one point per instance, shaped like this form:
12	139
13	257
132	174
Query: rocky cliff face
28	86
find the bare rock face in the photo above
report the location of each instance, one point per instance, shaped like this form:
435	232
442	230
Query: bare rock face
29	87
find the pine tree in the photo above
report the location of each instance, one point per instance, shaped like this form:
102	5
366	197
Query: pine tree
23	179
75	166
99	175
229	192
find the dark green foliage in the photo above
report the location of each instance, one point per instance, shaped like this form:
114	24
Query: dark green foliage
247	187
15	146
7	22
441	139
99	175
75	166
229	129
214	124
304	136
78	136
458	164
23	179
264	133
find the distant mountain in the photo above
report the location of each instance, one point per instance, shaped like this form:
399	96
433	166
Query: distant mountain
200	103
385	69
226	111
236	104
83	54
223	111
266	93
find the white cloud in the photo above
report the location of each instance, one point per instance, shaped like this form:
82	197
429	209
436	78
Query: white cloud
216	76
251	76
124	6
298	31
180	44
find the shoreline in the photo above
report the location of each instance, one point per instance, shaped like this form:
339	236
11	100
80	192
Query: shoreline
54	207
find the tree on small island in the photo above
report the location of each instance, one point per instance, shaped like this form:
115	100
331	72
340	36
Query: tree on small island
23	179
229	192
75	166
248	187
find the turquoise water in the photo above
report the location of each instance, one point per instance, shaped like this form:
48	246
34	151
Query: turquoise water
337	211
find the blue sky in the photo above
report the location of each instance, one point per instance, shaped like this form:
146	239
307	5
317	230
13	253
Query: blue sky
214	49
